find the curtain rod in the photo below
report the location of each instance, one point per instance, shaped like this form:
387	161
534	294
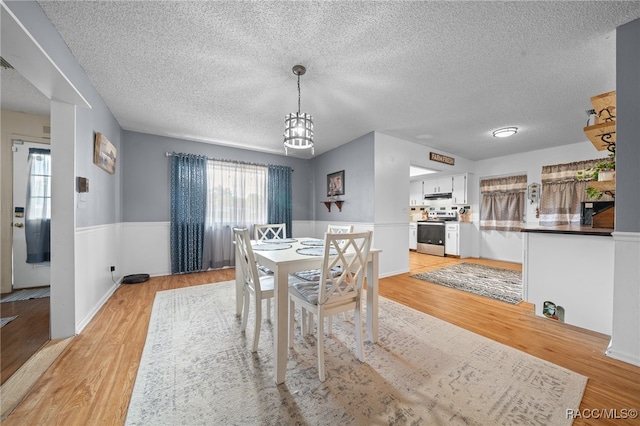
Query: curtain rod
170	154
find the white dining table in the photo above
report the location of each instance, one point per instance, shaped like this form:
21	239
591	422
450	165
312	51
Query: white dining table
287	261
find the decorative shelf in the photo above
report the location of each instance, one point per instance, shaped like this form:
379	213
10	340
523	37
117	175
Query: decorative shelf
602	134
336	202
605	106
606	186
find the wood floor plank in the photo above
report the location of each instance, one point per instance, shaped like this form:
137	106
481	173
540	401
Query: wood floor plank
92	381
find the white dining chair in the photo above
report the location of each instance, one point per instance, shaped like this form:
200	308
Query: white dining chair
270	231
339	229
334	294
273	231
307	318
260	286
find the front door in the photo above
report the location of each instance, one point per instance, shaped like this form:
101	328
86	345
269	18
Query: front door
25	275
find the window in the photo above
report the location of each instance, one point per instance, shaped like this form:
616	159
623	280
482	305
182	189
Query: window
38	208
236	196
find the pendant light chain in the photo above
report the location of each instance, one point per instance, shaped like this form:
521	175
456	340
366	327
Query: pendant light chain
298	93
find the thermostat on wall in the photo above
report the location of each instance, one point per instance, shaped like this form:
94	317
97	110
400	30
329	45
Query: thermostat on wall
82	184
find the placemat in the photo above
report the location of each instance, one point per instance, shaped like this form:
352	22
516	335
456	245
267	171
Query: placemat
315	251
313	243
279	240
270	246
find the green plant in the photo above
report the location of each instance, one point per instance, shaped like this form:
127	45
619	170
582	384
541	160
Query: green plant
593	173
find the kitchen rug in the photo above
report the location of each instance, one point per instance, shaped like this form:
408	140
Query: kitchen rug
26	294
7	320
197	369
500	284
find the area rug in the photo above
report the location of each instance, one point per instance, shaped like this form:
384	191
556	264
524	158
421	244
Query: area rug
496	283
197	369
26	294
7	320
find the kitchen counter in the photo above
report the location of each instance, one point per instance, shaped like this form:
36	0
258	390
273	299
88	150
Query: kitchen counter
569	229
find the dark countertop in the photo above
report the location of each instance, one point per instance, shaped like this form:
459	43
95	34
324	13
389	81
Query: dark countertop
569	230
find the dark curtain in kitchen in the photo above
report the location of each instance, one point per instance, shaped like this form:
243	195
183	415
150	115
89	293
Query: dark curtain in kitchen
279	196
502	207
188	206
563	193
38	209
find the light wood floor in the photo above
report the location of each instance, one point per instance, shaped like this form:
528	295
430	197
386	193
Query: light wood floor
23	336
91	382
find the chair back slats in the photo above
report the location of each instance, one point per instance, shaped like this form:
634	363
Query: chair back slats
339	229
270	231
351	253
247	259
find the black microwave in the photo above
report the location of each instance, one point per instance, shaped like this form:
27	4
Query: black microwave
589	208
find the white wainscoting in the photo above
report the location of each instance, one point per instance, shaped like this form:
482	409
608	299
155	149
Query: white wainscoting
625	338
145	245
96	248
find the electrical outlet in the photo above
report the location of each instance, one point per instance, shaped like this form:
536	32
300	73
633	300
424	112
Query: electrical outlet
112	268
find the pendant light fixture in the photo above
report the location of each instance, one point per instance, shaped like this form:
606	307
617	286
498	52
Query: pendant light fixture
298	127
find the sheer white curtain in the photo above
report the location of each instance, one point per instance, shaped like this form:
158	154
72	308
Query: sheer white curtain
236	196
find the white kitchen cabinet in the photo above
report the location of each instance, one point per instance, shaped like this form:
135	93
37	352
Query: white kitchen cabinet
458	239
452	239
413	236
415	193
438	186
459	195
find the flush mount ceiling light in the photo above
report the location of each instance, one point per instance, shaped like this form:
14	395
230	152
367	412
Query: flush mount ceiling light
298	127
505	132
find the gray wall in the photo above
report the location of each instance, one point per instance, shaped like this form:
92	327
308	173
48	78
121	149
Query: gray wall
356	158
628	127
146	173
102	204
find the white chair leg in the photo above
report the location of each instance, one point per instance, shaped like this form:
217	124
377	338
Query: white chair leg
320	344
359	333
269	309
292	312
256	331
309	323
245	309
303	321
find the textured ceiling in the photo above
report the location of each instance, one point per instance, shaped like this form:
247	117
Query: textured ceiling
443	74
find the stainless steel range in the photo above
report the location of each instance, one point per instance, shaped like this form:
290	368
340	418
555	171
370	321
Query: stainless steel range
431	233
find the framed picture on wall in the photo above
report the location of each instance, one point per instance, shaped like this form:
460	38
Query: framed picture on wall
335	183
104	153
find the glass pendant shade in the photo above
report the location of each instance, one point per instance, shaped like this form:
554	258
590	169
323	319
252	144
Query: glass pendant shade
298	131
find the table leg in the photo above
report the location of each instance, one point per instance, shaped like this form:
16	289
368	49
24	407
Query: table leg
372	298
281	331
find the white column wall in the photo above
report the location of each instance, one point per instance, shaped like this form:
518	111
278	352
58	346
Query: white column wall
63	220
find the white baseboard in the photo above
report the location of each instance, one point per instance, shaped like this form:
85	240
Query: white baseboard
622	356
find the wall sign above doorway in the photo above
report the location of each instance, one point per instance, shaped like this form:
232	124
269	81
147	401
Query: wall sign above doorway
434	156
